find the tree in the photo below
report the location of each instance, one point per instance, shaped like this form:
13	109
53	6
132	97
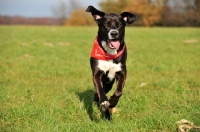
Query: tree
149	11
181	13
197	11
63	10
80	18
113	6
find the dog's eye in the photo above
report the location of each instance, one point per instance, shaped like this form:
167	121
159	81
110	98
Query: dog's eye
118	24
108	24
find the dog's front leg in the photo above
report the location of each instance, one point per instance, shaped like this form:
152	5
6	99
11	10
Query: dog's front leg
103	100
120	81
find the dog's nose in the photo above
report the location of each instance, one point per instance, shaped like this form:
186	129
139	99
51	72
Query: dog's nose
114	34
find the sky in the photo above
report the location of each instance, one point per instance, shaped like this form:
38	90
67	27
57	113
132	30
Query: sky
36	8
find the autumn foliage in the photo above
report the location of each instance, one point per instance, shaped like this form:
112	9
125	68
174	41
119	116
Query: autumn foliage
114	6
149	12
80	18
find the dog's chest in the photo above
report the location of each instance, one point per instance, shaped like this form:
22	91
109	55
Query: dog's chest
110	67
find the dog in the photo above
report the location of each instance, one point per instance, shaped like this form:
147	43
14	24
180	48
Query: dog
108	56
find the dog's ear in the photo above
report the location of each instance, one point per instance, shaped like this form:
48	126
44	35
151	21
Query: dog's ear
95	13
128	17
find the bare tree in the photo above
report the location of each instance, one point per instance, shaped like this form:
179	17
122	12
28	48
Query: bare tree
63	10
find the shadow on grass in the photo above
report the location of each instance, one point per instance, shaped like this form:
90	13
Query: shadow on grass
87	98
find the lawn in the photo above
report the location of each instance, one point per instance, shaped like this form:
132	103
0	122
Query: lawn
45	80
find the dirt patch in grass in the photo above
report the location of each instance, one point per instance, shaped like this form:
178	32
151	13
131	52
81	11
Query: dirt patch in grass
26	56
190	41
25	44
63	44
48	44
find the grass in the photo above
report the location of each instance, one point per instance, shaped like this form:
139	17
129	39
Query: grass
45	80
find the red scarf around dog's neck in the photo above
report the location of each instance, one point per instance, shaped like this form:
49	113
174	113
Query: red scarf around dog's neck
99	53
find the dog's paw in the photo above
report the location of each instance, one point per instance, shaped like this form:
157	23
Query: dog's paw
104	105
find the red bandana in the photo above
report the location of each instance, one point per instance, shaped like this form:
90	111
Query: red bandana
99	53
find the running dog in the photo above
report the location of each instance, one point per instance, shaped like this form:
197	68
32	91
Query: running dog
108	56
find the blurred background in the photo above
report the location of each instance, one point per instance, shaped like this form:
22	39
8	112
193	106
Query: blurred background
72	12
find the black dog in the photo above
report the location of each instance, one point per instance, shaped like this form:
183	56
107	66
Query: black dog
108	57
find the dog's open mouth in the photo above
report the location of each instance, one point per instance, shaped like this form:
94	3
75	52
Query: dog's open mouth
113	44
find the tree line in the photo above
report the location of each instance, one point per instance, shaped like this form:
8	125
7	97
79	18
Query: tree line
19	20
149	12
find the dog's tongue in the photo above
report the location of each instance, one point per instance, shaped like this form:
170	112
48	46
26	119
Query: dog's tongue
115	44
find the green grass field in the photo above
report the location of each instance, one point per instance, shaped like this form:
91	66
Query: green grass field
45	80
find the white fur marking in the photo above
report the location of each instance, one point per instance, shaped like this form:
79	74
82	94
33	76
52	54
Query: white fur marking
109	66
105	105
97	17
107	49
125	18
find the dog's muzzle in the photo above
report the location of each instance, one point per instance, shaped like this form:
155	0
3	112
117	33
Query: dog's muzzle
113	41
113	34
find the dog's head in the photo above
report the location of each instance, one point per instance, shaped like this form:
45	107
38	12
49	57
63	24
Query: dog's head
111	26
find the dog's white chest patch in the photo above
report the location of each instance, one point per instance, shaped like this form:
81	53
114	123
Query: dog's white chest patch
110	67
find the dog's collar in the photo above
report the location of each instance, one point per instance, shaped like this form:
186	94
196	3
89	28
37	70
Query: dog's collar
99	53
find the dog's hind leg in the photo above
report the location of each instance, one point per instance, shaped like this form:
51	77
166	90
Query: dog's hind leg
107	114
107	86
96	98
